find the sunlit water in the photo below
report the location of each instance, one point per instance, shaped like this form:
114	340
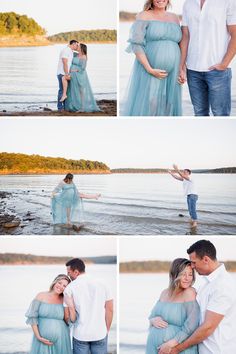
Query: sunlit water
29	81
126	61
21	284
131	204
138	295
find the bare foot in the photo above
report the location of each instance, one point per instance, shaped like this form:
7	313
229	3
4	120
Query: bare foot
194	224
77	227
64	97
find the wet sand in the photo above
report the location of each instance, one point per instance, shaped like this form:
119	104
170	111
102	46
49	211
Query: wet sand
108	108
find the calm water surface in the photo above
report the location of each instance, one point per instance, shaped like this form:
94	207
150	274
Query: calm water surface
126	62
138	295
131	204
28	75
21	284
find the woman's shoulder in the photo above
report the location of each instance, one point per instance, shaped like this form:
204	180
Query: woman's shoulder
164	295
173	17
144	15
190	294
42	296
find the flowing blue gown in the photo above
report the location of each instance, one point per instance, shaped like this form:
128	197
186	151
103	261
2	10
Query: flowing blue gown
182	318
66	197
147	95
79	93
49	318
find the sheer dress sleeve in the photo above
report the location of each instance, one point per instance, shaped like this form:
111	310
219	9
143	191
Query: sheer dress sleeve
32	313
137	37
191	323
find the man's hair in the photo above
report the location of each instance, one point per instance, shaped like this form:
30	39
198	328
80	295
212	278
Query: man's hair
203	248
76	264
73	41
189	171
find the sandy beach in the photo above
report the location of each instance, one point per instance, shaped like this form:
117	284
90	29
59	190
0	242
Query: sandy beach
108	108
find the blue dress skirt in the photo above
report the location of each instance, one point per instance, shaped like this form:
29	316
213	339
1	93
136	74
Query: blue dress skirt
182	318
147	95
66	197
79	93
49	318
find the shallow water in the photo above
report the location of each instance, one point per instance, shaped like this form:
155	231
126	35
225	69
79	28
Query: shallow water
28	75
131	204
22	283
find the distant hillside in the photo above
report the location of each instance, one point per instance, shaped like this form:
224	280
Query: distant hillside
11	163
100	35
14	258
20	30
164	170
159	267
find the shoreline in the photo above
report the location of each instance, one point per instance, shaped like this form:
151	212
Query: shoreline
108	108
45	43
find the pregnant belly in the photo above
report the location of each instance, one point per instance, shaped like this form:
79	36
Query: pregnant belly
52	329
164	55
162	335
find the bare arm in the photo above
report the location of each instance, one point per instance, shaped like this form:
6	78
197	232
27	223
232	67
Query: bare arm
180	173
184	50
38	336
174	175
89	196
108	313
231	50
212	320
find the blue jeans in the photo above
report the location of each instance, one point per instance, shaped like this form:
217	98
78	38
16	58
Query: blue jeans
210	90
93	347
192	202
60	105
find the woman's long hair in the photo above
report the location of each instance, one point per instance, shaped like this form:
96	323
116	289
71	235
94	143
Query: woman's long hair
58	278
149	5
83	48
69	177
176	269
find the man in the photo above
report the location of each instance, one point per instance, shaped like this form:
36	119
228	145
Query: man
217	300
94	306
63	69
208	46
189	191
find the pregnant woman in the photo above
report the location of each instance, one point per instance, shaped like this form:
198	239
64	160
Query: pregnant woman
48	318
67	206
154	39
79	95
176	314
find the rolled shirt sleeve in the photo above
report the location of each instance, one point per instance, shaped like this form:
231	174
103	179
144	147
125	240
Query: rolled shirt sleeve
221	300
231	13
184	21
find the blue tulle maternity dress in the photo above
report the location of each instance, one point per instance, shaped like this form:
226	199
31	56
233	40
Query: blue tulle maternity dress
49	318
79	93
66	197
146	95
182	319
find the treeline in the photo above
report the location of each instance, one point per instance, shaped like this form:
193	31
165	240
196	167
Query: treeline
14	24
218	170
14	258
159	266
22	163
100	35
139	170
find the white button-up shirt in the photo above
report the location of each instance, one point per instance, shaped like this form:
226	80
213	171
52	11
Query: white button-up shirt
218	294
209	37
90	296
66	53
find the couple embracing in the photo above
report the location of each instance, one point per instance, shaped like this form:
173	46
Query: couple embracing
75	300
168	55
195	322
75	93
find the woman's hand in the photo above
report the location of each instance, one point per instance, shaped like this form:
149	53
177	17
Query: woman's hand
165	348
158	322
45	341
158	73
182	76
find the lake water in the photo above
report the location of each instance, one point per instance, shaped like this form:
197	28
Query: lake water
21	284
138	295
131	204
126	62
28	75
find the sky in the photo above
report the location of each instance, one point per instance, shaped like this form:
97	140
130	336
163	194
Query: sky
63	16
137	5
59	246
169	248
121	142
